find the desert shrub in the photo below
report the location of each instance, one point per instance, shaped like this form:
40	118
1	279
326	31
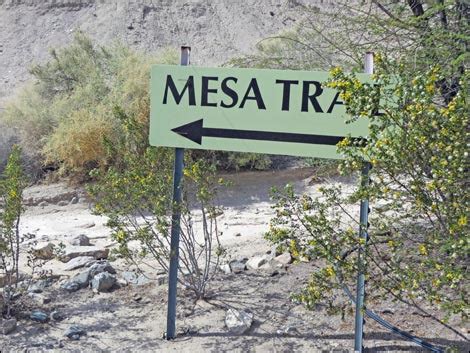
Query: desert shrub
136	196
418	238
12	185
64	118
77	142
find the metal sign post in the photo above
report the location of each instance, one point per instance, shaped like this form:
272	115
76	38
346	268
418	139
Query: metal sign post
363	236
175	227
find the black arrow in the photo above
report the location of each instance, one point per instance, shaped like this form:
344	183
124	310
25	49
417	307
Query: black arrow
195	131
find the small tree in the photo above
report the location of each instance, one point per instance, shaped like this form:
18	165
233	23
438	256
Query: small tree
136	197
11	195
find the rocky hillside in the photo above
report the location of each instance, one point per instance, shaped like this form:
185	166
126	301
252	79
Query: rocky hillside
215	29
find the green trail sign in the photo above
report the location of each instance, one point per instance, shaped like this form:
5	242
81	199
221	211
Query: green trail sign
249	110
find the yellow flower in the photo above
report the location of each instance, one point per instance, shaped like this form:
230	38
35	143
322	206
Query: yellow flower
330	271
422	249
462	220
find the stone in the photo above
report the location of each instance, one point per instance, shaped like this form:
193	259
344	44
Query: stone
237	266
75	332
39	316
70	286
225	268
238	234
44	251
62	203
80	240
284	258
8	326
57	316
77	282
43	204
101	266
257	261
103	282
238	321
78	262
74	200
76	251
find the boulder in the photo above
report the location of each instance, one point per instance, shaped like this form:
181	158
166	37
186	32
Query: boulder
44	251
257	261
80	240
103	282
76	251
238	321
78	262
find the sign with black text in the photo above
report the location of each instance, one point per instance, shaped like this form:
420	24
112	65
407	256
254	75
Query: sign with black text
249	110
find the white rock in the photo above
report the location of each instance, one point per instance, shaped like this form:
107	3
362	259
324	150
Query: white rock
225	268
238	321
76	251
284	258
80	240
257	261
78	262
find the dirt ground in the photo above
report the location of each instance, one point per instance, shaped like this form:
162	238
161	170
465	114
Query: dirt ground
133	318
